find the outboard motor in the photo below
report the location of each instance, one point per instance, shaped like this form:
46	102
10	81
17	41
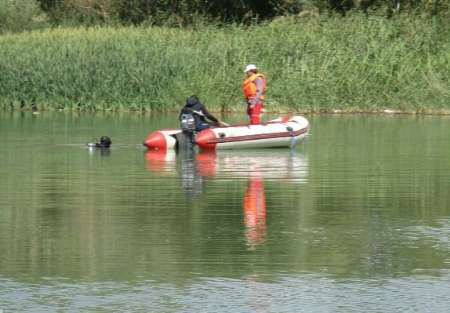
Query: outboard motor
186	139
187	122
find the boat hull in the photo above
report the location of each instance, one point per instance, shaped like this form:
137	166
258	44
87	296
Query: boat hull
162	139
281	133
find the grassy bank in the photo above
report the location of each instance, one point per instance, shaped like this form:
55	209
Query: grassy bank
356	63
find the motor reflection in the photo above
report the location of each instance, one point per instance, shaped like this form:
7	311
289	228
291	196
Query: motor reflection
184	163
194	168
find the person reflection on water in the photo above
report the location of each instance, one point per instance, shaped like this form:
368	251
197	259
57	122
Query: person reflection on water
255	212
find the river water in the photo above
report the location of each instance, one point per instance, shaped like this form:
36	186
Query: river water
355	219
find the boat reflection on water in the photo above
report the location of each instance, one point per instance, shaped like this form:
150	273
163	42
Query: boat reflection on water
187	165
280	166
255	166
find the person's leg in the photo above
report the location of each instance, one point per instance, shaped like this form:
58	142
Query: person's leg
255	113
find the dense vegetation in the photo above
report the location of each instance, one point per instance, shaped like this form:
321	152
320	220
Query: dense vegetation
365	61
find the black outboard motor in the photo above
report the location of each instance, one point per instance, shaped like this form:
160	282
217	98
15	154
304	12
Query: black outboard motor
187	122
186	139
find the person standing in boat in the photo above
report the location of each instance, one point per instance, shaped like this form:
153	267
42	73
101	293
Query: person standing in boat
254	88
196	113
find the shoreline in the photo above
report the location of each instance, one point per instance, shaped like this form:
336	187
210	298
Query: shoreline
422	112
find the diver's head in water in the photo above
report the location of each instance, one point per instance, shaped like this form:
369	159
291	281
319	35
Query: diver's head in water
105	142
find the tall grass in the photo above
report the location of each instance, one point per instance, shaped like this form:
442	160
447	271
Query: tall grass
312	63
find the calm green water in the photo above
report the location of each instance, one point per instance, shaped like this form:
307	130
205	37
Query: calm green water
356	219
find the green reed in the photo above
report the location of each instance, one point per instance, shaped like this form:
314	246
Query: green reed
356	63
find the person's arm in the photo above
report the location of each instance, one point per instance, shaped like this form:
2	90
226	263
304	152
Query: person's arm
212	118
259	82
208	115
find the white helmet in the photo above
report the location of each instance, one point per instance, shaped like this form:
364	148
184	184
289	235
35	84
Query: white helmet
250	67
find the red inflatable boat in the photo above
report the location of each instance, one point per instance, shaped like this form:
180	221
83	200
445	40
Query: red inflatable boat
281	132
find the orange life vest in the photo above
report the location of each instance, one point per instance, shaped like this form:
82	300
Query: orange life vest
249	86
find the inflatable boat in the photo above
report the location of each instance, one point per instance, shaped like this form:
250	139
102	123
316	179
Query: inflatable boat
282	132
